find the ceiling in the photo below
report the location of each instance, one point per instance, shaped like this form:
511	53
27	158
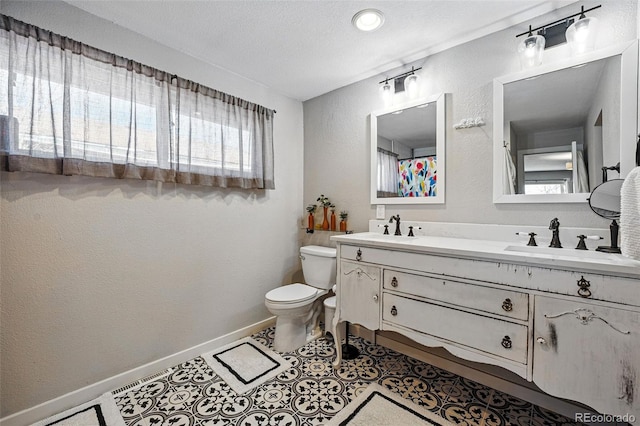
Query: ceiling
305	48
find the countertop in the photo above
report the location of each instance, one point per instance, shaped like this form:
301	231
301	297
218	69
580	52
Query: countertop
508	252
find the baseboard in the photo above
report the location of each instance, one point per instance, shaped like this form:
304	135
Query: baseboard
526	393
77	397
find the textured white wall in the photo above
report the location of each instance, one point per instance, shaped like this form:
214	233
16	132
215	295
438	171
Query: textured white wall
101	276
336	128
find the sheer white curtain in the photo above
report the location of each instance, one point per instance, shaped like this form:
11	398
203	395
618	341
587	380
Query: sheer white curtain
387	173
508	173
582	184
76	110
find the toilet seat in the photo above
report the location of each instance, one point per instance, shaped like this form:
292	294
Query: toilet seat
293	293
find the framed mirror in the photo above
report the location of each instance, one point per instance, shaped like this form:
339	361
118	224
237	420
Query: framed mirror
557	126
408	153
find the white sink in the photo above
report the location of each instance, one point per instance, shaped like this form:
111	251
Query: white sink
567	252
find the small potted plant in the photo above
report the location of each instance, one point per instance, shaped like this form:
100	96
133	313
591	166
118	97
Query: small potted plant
343	220
326	203
311	209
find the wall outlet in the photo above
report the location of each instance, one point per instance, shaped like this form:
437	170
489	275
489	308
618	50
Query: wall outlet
380	214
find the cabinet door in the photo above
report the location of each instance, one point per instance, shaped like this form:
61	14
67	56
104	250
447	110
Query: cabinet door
359	294
588	353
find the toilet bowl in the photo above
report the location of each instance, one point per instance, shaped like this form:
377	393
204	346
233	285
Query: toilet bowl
297	306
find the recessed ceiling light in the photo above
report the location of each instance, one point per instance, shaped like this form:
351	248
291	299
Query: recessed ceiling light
368	20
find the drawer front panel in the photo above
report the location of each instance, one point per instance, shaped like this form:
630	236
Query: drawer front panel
582	285
498	337
512	304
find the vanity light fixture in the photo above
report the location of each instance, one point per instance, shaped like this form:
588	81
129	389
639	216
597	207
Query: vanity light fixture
405	82
581	35
530	50
566	29
368	20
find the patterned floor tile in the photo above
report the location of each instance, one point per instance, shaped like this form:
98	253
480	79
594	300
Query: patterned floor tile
311	392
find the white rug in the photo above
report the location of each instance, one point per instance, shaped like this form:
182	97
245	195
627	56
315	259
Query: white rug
245	364
101	411
378	406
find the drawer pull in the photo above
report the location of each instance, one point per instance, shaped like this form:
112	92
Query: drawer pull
584	285
359	255
506	342
375	297
507	305
541	340
394	282
394	311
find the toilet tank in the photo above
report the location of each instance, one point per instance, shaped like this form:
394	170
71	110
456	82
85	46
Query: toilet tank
319	266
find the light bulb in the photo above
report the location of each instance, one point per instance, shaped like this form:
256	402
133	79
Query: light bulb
368	20
411	85
386	91
530	51
581	35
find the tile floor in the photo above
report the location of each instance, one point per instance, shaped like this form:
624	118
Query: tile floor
311	392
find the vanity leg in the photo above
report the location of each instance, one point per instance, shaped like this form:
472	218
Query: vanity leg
337	339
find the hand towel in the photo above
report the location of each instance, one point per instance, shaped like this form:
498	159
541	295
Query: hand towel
630	215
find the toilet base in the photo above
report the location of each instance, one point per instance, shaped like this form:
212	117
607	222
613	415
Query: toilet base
291	333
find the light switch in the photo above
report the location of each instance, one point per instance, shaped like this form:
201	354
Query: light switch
380	214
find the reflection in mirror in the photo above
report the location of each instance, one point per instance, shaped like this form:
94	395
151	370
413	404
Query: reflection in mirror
556	130
554	125
408	153
605	201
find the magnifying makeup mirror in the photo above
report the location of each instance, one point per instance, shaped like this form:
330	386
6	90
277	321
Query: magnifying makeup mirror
605	202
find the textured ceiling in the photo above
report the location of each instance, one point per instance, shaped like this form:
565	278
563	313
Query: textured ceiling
306	48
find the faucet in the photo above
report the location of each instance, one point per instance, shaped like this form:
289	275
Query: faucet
397	219
554	226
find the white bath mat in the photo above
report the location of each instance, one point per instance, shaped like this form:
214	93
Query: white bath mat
378	406
245	364
102	411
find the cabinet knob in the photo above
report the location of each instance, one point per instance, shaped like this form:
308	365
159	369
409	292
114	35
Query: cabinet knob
359	255
375	297
394	310
541	340
507	305
394	282
506	342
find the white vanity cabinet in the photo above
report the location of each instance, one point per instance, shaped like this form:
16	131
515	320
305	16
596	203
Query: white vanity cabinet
573	332
588	352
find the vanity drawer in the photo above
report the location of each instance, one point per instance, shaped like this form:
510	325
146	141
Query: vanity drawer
498	337
512	304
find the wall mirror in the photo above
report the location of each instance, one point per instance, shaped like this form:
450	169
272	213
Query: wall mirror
408	153
557	126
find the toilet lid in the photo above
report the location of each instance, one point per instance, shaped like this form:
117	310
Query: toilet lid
292	293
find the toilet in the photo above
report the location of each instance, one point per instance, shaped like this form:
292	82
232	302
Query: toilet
298	306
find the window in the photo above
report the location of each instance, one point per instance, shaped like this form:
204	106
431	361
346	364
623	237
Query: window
547	187
71	109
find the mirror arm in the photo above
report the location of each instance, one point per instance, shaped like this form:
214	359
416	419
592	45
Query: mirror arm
605	170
